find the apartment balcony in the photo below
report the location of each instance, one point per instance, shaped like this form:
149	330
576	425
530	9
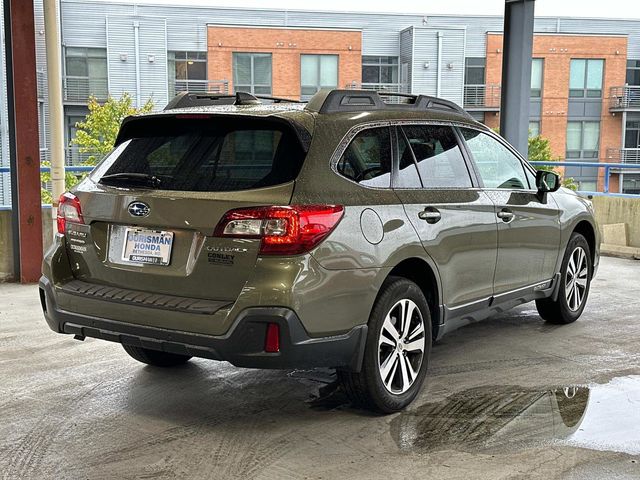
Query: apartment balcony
382	88
79	89
624	99
72	156
482	98
624	155
41	84
198	86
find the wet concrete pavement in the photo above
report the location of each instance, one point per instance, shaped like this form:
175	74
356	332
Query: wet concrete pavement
511	397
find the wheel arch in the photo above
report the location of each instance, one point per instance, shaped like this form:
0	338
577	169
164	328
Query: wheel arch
422	274
587	230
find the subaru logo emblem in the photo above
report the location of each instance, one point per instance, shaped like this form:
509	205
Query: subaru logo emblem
139	209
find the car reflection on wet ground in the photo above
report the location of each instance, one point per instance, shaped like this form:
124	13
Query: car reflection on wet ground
497	419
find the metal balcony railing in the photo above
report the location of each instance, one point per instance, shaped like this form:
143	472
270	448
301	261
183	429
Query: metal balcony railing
79	89
72	156
482	97
623	155
41	83
624	98
382	87
198	86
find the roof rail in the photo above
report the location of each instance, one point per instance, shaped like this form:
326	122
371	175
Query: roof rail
189	99
333	101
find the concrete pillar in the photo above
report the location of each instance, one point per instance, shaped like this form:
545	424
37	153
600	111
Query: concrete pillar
516	72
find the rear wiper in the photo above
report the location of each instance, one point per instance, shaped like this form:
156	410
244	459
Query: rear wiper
138	179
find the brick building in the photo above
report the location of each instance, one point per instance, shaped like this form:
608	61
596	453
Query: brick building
585	88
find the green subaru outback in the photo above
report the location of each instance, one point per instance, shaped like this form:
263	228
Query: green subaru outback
348	232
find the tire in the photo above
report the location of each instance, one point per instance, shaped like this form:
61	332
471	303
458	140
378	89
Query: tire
386	356
155	357
569	305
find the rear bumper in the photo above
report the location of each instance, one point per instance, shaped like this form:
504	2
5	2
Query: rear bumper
243	345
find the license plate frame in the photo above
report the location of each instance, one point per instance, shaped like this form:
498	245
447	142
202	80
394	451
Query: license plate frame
147	246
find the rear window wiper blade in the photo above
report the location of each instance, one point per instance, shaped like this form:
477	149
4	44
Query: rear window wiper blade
133	178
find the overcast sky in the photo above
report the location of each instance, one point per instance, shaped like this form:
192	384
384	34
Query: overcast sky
565	8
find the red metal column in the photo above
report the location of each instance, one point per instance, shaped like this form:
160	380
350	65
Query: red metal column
23	119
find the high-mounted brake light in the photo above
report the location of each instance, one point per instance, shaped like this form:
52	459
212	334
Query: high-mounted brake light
68	211
288	230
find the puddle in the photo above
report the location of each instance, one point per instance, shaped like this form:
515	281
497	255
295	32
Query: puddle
498	419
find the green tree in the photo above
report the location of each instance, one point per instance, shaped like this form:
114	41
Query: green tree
96	135
539	150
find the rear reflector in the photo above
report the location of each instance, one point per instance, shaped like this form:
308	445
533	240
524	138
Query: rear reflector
288	230
68	211
272	340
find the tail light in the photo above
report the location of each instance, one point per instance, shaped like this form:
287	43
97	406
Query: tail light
68	211
288	230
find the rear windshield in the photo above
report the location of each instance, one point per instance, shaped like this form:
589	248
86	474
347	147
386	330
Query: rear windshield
205	155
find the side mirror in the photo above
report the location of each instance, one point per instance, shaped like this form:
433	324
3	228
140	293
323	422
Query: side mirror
547	181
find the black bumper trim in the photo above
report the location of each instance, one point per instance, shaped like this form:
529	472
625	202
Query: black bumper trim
242	345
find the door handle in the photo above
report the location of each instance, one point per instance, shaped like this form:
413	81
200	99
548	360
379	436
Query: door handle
430	214
506	215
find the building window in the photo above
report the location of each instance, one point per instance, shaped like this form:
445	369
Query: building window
633	72
537	66
379	70
534	128
187	71
474	69
252	73
583	139
585	78
85	73
632	135
316	72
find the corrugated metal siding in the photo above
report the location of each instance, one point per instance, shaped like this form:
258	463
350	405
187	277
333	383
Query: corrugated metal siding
424	80
153	75
153	42
120	44
84	23
406	55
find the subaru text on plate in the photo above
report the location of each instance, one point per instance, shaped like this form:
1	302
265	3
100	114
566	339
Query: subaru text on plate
350	232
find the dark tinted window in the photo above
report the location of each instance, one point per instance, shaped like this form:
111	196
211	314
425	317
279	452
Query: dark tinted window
498	167
440	161
206	154
367	159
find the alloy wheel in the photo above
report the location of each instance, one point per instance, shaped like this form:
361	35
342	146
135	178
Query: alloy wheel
401	346
576	279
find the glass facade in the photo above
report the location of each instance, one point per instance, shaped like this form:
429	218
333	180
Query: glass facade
474	71
316	72
583	139
85	73
379	69
534	128
633	72
537	66
585	78
252	73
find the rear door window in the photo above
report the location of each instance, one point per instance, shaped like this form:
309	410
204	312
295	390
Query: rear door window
209	155
367	159
438	156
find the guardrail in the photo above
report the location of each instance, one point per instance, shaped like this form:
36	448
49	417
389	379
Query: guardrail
79	89
199	86
482	97
607	173
624	98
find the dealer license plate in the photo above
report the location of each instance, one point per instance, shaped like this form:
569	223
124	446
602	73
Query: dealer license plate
147	246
